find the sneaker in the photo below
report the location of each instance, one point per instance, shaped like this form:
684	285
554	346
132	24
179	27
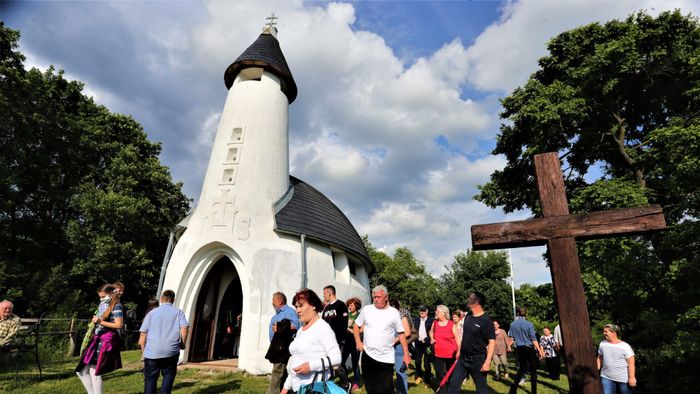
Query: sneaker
355	387
419	380
507	376
522	382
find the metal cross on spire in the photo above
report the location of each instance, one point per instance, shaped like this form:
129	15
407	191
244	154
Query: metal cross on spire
271	20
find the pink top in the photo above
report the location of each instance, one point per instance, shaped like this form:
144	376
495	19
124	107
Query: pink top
445	343
501	342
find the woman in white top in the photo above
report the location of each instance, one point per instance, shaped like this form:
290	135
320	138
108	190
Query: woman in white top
315	341
616	363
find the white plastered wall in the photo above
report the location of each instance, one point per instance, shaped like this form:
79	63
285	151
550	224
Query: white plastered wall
248	172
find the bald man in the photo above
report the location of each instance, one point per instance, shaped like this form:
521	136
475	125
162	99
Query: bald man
9	324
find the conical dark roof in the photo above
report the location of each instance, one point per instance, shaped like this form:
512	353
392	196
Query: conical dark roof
265	52
311	213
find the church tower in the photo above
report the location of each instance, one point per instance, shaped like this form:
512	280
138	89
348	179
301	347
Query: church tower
256	230
249	164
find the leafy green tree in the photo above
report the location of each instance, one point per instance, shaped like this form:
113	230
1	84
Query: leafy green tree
485	272
83	197
404	276
619	101
540	304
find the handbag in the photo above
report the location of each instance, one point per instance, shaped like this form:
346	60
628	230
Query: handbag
324	386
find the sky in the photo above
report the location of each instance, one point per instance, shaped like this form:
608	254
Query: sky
397	112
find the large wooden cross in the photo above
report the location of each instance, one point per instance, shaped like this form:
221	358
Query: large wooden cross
559	231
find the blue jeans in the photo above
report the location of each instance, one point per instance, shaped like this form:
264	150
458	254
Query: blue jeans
612	387
401	377
155	366
468	366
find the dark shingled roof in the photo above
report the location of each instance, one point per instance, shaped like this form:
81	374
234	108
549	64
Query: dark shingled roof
265	52
311	213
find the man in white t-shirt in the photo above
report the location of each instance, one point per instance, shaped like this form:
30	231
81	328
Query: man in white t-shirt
380	324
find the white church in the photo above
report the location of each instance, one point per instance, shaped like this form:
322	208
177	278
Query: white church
256	229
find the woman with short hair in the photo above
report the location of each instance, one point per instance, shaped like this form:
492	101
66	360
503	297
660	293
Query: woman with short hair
616	362
500	353
551	357
354	305
444	337
314	345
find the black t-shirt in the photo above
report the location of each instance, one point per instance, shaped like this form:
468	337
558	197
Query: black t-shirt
336	315
476	334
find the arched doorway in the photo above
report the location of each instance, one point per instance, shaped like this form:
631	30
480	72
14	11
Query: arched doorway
219	302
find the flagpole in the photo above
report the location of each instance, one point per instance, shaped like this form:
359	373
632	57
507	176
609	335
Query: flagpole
512	280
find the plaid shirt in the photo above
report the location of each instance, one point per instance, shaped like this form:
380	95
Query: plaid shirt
8	329
117	312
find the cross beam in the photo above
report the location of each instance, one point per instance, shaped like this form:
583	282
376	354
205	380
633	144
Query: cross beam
594	225
559	230
271	20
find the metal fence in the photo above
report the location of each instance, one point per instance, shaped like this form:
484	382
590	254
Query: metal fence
61	337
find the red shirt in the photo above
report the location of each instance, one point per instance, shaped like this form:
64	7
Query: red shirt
445	343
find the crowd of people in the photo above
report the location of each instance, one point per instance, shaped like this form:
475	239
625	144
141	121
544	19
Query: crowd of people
381	338
377	343
315	339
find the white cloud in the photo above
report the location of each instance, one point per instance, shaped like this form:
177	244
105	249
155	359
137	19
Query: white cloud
395	219
328	158
434	232
365	123
364	127
100	95
500	59
458	179
506	53
529	266
207	133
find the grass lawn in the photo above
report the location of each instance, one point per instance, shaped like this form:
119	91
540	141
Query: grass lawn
58	377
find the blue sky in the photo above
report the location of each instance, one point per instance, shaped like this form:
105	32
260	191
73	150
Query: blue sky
398	100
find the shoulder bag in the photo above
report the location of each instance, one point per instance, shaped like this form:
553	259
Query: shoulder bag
324	386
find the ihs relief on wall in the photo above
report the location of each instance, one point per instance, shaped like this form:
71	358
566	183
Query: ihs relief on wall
224	216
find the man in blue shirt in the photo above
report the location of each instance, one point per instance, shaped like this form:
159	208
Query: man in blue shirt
527	350
163	334
282	311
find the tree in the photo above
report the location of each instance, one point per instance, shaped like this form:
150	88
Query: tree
83	197
404	276
485	272
539	302
620	103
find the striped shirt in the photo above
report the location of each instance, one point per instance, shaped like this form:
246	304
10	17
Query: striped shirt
615	357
